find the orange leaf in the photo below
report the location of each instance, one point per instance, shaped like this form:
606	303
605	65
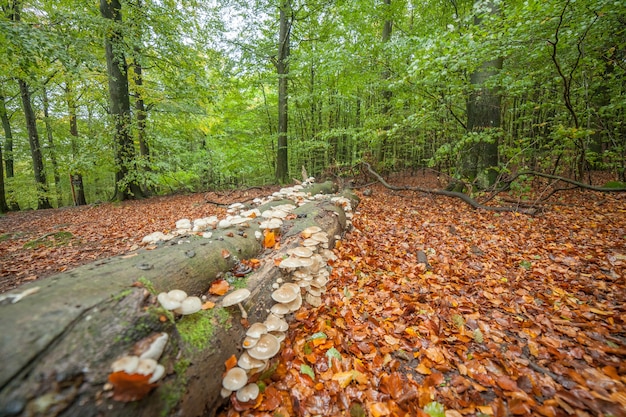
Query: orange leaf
225	254
379	409
219	287
230	362
130	387
270	239
208	305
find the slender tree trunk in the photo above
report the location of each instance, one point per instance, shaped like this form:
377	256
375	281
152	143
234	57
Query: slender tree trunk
282	68
4	207
385	76
76	178
117	70
8	153
35	148
483	117
50	140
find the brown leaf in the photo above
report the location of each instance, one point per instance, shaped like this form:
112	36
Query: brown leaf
130	387
219	287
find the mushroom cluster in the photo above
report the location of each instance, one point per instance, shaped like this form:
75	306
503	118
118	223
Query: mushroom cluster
142	363
178	302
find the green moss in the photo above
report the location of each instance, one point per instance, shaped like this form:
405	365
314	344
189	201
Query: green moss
197	329
5	236
172	392
50	239
121	295
148	285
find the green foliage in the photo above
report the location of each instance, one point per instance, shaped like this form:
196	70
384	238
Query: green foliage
434	409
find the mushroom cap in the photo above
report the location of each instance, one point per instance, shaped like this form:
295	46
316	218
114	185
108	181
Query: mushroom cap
235	297
146	366
127	364
256	330
279	335
247	362
224	224
310	243
248	393
315	291
166	302
234	379
295	304
177	295
280	309
313	300
274	323
302	275
249	342
301	252
155	349
189	305
266	347
158	373
308	232
321	237
286	293
291	262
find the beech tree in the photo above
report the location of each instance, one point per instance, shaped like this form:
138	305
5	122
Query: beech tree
117	69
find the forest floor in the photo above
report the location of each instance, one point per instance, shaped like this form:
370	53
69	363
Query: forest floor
514	315
511	315
36	244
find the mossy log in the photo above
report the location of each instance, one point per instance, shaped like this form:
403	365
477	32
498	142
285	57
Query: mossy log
57	344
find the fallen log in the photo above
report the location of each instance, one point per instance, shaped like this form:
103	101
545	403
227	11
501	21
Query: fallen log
57	343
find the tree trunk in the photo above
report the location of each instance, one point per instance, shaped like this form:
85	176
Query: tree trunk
282	68
53	157
35	149
117	70
8	153
385	76
58	344
4	207
483	117
76	178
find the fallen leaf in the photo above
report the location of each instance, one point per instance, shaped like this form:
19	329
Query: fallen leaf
219	287
130	387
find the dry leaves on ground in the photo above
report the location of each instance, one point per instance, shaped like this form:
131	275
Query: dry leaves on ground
515	315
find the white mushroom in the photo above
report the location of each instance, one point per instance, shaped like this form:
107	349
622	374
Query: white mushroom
274	323
235	379
189	305
236	297
286	293
167	302
267	346
177	295
248	363
155	349
127	364
146	366
248	393
158	373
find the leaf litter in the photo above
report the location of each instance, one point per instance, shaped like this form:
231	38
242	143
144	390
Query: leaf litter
510	315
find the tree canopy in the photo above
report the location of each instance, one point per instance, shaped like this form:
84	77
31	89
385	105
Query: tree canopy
395	83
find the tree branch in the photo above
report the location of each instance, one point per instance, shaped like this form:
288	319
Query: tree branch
464	197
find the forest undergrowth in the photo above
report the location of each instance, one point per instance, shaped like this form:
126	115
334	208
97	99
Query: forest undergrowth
509	315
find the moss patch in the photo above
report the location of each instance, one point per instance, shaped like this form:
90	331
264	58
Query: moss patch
51	239
196	330
614	184
148	285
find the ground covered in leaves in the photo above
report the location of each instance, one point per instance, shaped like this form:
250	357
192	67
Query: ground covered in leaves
35	244
509	315
432	309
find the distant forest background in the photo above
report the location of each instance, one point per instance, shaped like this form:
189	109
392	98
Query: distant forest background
121	99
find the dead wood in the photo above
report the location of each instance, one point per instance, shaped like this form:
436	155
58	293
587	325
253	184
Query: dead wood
464	197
